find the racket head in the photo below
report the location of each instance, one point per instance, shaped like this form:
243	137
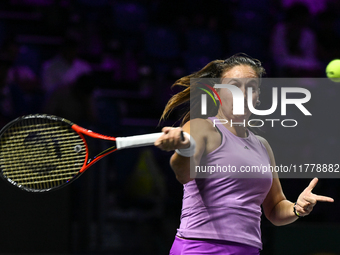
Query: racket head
41	152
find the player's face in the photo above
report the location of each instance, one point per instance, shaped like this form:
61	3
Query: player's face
243	77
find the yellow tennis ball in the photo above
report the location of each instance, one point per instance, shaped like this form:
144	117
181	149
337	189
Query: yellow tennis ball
333	70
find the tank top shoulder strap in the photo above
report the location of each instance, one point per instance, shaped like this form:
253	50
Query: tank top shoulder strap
220	128
220	131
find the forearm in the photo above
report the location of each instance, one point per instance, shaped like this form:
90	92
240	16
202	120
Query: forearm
282	213
181	167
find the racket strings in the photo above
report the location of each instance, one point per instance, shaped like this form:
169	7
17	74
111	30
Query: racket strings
40	153
20	173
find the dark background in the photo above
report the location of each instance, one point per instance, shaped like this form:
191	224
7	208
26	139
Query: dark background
131	53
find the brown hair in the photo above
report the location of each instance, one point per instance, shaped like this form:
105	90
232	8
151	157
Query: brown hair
215	69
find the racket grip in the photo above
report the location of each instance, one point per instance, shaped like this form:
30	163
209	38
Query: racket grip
137	140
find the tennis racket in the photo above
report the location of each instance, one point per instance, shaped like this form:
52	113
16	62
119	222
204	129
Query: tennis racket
40	152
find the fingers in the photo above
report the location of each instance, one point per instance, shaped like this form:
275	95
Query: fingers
307	200
303	210
166	129
323	198
305	204
312	199
172	139
312	184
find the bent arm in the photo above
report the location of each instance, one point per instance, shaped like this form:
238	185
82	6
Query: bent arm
181	165
276	207
170	141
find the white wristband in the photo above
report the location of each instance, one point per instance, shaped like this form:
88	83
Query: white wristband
187	152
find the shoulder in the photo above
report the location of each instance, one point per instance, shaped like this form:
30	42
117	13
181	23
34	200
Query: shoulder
202	130
199	126
264	142
205	134
267	146
199	121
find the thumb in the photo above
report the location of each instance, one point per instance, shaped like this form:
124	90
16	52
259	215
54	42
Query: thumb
166	129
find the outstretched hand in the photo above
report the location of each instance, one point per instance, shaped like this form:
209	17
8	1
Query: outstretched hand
307	200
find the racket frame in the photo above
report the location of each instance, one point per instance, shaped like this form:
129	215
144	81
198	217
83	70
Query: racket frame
90	161
82	132
118	144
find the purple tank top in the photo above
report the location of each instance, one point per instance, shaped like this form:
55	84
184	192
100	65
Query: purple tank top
228	208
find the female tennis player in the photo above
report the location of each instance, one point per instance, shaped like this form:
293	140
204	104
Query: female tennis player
222	215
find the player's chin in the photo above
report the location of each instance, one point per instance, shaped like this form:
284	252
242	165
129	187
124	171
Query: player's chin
245	115
240	119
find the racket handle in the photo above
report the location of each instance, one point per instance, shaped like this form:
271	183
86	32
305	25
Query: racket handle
137	140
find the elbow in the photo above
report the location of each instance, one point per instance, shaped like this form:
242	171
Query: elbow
181	169
183	179
270	215
272	220
276	219
277	223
